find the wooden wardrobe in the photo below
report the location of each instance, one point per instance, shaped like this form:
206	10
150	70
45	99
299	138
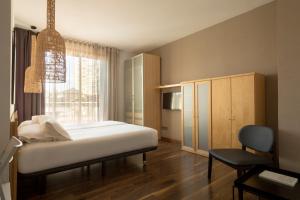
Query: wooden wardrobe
142	98
214	110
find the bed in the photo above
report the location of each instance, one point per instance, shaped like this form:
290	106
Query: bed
87	144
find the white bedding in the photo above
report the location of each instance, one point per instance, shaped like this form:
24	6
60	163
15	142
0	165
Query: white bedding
88	142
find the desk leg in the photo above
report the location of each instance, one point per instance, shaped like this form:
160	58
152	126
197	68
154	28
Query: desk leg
240	194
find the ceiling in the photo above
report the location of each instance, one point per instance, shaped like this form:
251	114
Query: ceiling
131	25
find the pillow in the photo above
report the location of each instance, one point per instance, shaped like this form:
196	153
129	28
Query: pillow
26	123
52	128
41	118
31	132
42	128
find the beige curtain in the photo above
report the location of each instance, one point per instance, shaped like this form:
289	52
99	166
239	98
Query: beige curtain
90	91
112	60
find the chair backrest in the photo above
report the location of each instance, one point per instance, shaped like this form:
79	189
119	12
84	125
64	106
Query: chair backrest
8	153
256	137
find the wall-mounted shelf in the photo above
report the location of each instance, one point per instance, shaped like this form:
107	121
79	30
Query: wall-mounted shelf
169	86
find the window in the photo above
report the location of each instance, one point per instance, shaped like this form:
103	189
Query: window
82	98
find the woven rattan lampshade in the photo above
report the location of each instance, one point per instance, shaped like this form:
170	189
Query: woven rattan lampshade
51	51
31	85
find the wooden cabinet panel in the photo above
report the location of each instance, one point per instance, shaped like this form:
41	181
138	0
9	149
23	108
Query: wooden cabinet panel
221	113
243	111
151	94
220	107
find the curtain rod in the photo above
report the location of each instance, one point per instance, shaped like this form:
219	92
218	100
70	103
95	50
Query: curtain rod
87	43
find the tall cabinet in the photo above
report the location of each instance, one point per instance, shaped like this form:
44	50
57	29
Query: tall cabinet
214	110
142	98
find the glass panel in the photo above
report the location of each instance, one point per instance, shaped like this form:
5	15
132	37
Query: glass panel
188	115
138	89
203	120
128	92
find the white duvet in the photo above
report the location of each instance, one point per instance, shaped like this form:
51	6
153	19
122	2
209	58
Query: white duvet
87	142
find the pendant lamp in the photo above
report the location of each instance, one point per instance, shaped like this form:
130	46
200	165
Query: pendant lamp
31	85
50	51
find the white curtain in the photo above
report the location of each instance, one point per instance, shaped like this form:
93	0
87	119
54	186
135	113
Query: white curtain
89	93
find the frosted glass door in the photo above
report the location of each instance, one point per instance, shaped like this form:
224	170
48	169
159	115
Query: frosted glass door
128	92
188	114
138	90
203	121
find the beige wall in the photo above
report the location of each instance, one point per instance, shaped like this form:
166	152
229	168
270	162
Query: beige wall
242	44
288	43
5	66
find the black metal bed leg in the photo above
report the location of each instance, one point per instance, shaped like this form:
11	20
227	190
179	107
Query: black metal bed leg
103	168
209	166
144	159
88	168
42	183
20	186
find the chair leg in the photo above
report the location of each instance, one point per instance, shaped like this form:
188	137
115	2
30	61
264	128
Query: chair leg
239	173
209	166
241	195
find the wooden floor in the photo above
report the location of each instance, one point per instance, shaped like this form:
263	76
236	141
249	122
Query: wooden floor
170	174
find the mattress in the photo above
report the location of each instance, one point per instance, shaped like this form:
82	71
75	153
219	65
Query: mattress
90	141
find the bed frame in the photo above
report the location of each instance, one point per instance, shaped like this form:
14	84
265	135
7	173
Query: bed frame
17	179
41	176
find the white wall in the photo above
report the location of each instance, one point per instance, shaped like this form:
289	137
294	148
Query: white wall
123	55
5	66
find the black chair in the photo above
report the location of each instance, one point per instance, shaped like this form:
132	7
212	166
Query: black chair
258	138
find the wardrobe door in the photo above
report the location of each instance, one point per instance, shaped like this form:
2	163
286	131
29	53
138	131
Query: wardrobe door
203	117
243	110
221	113
138	103
152	110
188	117
128	92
